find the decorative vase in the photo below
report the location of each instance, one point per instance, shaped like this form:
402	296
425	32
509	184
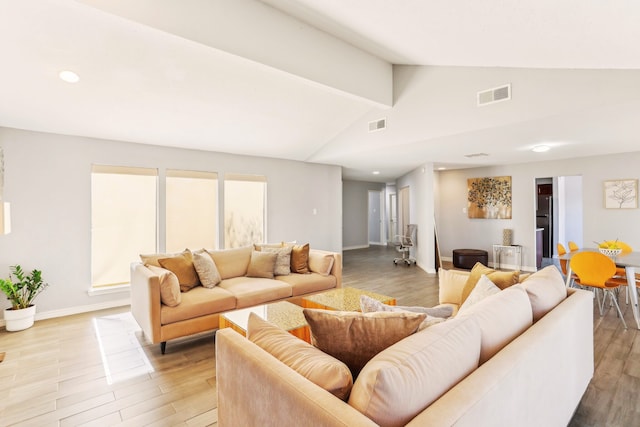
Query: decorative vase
507	237
17	320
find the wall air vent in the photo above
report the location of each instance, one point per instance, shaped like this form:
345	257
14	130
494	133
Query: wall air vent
377	125
470	156
497	94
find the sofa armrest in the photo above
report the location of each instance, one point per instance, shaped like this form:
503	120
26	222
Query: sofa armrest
145	301
336	269
254	388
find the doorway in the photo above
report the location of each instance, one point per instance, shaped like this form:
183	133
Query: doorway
558	215
393	216
376	206
403	209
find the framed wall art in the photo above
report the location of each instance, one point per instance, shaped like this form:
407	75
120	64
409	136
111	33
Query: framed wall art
489	197
621	194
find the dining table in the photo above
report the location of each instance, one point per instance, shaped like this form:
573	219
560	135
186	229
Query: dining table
627	260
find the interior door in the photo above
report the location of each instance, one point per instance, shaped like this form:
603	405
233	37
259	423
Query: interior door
393	216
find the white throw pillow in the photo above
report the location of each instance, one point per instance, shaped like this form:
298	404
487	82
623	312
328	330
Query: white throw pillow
483	289
206	269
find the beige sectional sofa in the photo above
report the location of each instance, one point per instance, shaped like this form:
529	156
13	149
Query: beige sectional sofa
522	356
162	319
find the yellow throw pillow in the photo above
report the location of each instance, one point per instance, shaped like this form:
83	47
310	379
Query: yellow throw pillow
502	279
182	266
318	367
300	259
262	264
354	338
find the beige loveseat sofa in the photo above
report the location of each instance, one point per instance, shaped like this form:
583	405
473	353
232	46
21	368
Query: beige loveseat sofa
520	357
199	308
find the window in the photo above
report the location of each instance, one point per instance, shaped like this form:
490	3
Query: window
123	220
244	209
191	210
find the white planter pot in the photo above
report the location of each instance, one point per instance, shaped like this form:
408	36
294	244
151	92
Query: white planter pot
17	320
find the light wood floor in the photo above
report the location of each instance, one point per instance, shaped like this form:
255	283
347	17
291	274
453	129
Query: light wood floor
96	369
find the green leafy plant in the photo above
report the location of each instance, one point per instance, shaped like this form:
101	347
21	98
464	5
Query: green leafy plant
24	289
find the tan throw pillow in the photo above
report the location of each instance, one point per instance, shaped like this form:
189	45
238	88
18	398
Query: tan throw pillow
182	266
262	265
451	284
545	289
169	286
398	383
316	366
283	260
300	259
262	246
502	279
232	262
320	263
206	269
483	289
354	338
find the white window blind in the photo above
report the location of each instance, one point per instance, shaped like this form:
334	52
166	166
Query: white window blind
123	220
191	209
244	209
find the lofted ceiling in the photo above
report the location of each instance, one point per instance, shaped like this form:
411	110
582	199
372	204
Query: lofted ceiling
302	79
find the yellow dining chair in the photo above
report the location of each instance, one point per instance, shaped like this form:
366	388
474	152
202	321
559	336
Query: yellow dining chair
573	247
594	270
563	263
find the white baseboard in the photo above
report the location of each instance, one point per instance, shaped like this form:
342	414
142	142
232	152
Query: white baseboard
350	248
79	309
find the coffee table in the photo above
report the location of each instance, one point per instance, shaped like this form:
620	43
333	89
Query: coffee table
283	314
343	299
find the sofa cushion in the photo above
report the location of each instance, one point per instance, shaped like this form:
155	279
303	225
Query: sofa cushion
198	302
404	379
206	269
262	264
546	289
169	286
250	291
435	315
313	364
502	279
232	262
483	289
302	284
354	337
320	263
502	317
300	259
451	283
182	266
283	260
152	259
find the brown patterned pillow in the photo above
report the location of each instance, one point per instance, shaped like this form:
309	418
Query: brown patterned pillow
283	259
354	338
300	259
206	269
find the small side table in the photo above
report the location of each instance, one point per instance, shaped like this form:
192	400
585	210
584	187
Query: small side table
497	254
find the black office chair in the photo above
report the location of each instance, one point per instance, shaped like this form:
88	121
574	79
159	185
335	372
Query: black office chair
403	244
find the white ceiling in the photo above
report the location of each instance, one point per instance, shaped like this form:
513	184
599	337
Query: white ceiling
300	79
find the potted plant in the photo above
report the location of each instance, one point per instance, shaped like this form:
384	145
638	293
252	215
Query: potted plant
21	294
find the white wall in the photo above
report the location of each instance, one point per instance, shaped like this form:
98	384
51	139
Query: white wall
456	230
421	212
48	183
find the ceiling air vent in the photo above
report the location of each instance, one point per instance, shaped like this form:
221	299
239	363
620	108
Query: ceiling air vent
470	156
377	125
497	94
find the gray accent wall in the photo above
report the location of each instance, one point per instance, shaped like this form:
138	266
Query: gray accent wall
48	183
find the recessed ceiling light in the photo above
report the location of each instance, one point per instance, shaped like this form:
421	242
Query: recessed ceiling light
376	172
69	76
441	168
541	148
